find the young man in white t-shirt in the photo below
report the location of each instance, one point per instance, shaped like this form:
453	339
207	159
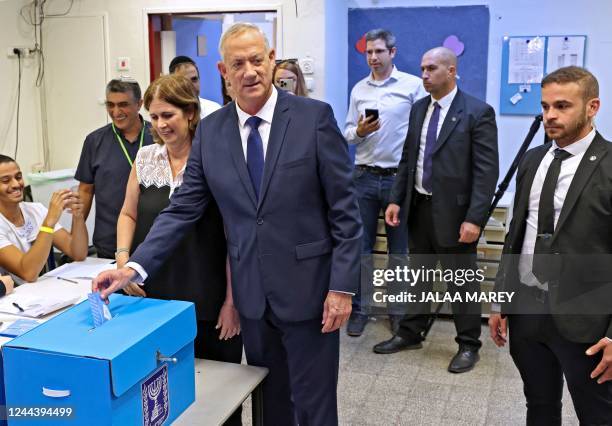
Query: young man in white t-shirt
28	231
186	67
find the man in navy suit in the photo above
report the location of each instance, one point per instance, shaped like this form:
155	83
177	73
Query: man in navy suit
443	190
279	170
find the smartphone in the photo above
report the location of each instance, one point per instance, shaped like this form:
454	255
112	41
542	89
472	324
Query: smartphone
287	84
371	113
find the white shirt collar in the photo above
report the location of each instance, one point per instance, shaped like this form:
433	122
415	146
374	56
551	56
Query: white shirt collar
265	113
393	76
578	147
447	100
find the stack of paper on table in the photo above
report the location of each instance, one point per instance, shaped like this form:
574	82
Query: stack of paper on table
35	306
42	298
87	269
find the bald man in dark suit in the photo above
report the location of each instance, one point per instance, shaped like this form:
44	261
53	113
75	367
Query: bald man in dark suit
444	187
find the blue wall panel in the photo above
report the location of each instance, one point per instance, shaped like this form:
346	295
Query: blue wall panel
187	31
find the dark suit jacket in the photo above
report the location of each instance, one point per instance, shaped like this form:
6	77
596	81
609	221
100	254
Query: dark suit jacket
580	294
301	239
465	165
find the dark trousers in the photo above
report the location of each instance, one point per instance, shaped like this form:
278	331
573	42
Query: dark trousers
425	252
208	346
543	357
301	385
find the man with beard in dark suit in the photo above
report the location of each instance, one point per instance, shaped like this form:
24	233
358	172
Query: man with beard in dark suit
557	257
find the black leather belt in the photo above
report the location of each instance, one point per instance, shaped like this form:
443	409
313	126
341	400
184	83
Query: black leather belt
537	293
418	197
375	170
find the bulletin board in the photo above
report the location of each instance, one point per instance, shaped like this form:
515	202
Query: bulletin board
526	60
464	29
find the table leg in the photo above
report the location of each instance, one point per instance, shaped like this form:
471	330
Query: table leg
257	405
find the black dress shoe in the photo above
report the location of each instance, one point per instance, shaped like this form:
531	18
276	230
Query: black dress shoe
396	344
464	360
356	324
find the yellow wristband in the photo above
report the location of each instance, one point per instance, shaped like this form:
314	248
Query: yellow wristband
46	229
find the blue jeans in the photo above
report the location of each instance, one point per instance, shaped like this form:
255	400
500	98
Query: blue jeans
373	195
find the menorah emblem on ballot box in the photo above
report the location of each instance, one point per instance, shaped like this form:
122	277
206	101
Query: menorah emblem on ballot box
154	391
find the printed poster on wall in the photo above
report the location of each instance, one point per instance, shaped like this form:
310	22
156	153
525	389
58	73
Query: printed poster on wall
526	60
564	51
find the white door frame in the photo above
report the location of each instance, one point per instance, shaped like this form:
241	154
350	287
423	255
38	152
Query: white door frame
219	8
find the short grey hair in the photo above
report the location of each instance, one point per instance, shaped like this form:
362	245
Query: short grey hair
240	28
385	35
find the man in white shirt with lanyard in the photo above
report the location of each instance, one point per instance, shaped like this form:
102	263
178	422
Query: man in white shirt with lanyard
106	160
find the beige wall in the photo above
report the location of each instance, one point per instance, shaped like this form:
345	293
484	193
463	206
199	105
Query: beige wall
14	32
302	35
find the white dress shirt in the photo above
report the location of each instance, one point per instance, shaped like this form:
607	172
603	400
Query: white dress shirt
445	103
207	107
566	175
393	98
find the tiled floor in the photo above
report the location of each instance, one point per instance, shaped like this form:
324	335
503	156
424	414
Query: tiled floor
414	388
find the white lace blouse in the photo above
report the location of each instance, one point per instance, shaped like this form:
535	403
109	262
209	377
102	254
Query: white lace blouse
153	168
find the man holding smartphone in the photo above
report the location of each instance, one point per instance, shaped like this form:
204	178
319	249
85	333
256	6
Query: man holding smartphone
377	123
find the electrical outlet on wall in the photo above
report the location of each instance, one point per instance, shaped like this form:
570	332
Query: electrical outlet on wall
307	65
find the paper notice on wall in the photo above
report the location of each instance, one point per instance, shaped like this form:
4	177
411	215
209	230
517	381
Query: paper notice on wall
564	51
526	60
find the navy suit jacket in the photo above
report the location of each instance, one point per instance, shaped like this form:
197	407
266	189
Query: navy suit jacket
465	166
301	239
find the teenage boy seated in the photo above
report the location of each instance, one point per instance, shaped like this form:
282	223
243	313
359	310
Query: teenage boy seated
29	230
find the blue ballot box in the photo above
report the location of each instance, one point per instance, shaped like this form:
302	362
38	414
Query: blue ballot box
136	369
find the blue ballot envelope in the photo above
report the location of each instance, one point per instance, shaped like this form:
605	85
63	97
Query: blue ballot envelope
135	369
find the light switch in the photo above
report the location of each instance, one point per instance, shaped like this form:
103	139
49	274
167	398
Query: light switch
309	83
